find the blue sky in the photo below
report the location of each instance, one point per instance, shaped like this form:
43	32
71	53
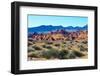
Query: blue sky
38	20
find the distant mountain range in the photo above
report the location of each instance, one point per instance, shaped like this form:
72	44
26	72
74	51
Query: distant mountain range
49	28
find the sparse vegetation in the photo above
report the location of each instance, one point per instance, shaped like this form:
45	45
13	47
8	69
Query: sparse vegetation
51	50
36	47
85	42
30	43
66	48
82	48
30	49
63	53
47	46
49	42
78	53
57	45
64	42
50	54
71	55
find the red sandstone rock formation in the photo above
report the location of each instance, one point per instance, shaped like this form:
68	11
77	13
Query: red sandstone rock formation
62	35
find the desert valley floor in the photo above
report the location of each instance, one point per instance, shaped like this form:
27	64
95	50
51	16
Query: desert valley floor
58	45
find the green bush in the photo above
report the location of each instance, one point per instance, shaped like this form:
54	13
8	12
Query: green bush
82	48
47	46
78	53
49	42
30	49
63	46
33	54
64	42
30	43
66	54
57	45
36	47
50	54
33	42
85	42
63	53
71	56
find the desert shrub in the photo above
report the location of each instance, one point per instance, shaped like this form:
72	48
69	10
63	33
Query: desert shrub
49	42
33	54
71	41
30	49
67	54
62	54
78	53
33	42
50	54
47	46
85	42
63	46
64	42
57	45
82	48
36	47
86	49
71	56
43	46
30	43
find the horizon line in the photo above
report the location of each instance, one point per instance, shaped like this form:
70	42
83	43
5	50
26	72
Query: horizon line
58	25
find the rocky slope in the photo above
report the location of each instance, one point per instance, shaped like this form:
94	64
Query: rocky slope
60	35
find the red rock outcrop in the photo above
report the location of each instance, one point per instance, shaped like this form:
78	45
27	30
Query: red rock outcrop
61	35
